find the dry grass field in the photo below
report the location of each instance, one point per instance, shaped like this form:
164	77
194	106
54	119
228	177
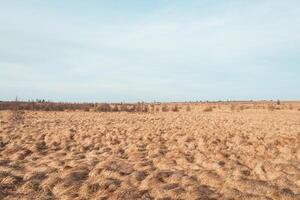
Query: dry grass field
197	151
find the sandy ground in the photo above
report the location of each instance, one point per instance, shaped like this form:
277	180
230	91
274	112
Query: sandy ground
251	154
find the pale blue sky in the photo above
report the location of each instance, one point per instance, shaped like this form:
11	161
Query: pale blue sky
159	50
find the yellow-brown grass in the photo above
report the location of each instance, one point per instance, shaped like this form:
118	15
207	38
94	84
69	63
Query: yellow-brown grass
224	154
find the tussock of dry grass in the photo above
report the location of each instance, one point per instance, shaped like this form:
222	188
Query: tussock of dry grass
230	153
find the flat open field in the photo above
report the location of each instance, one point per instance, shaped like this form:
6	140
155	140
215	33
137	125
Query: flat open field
224	153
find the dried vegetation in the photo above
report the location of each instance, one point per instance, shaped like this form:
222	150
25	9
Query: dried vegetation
152	151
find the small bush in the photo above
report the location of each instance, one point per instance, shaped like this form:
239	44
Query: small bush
145	108
241	108
105	107
271	107
138	107
278	102
124	108
188	108
165	108
17	117
208	109
152	107
115	108
232	107
175	108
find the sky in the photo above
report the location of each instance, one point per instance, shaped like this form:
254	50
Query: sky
158	50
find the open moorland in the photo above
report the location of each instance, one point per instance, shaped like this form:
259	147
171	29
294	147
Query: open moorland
162	151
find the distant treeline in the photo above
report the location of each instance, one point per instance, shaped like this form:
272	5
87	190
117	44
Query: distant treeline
54	106
45	106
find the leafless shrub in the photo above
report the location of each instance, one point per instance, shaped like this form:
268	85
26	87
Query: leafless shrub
17	115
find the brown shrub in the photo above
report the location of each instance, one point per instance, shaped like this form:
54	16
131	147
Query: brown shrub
138	107
188	108
278	102
152	107
241	108
105	107
124	108
17	115
232	107
115	108
164	108
175	108
271	107
145	108
208	109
